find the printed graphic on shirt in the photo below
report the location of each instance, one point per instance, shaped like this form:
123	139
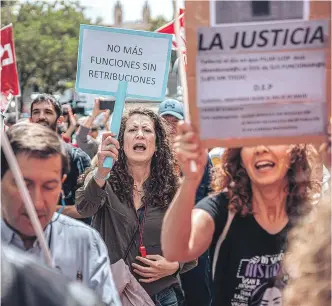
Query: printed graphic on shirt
257	281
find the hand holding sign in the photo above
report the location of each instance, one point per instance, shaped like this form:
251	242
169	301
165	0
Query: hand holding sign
188	148
108	149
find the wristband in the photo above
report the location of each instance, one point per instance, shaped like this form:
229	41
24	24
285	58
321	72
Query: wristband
101	178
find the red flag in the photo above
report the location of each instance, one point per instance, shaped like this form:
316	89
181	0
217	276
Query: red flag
9	77
169	28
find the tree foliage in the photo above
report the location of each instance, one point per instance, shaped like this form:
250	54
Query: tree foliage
157	22
46	38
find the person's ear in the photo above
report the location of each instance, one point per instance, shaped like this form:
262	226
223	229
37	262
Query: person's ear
30	120
63	178
60	120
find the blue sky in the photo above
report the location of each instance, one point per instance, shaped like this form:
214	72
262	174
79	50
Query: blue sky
132	9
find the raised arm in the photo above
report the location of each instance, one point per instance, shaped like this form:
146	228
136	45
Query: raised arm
83	142
88	145
72	121
91	197
187	232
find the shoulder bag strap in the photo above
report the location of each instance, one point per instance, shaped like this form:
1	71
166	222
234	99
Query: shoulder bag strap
130	244
221	239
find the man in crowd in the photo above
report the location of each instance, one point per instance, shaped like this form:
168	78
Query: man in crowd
77	250
26	282
46	111
196	283
87	135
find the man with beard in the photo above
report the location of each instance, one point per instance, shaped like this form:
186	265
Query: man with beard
46	110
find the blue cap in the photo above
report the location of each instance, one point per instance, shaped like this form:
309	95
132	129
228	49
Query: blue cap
171	107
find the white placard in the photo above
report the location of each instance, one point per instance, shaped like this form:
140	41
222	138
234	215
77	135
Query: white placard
273	120
108	55
263	37
259	78
262	80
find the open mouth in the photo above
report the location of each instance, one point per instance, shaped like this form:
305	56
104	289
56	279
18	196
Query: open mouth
43	123
265	164
139	147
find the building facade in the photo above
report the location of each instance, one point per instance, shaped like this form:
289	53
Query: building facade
141	24
257	11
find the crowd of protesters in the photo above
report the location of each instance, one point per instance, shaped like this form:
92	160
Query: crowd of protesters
150	231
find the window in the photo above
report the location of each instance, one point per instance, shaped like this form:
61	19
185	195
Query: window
260	8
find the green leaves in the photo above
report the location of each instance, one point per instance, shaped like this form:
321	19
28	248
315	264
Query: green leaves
157	22
46	40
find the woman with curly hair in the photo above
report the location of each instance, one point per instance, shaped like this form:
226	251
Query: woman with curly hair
128	202
308	259
261	191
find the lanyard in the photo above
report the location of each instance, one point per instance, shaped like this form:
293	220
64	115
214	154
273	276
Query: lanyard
50	236
141	225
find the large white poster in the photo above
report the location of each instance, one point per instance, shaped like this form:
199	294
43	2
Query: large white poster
257	78
261	71
108	56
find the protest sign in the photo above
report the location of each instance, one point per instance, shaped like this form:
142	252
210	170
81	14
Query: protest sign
9	76
257	83
123	63
107	56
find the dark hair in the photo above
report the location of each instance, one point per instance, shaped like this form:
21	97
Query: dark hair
94	128
257	295
161	186
11	119
47	98
301	189
36	141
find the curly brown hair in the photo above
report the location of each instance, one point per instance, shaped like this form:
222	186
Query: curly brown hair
308	259
232	178
161	186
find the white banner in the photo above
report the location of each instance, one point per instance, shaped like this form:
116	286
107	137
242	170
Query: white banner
263	37
259	78
108	55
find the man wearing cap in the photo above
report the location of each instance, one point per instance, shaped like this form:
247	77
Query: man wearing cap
196	283
172	111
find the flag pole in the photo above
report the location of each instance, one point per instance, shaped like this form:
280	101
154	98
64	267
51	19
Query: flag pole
16	108
183	76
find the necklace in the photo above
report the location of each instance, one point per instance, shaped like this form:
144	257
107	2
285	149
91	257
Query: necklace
137	190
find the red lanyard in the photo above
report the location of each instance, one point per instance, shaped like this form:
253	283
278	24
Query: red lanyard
141	225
